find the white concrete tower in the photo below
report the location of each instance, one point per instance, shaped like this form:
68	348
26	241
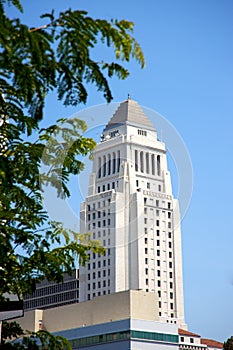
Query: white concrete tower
131	210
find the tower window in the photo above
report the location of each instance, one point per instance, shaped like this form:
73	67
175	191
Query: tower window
142	132
141	162
99	167
114	163
153	164
104	166
118	161
136	160
147	163
158	166
109	164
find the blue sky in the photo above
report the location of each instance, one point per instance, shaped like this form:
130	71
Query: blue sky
189	80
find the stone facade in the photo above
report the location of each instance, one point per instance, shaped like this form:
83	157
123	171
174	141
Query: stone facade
130	208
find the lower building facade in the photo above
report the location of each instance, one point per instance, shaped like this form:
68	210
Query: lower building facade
124	335
49	294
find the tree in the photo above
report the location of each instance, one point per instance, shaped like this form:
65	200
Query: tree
34	62
228	345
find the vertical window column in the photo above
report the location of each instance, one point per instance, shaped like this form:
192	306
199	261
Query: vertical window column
104	166
158	166
153	164
141	162
147	163
118	161
109	164
136	160
114	163
99	167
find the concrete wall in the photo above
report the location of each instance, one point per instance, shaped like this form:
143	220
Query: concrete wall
112	307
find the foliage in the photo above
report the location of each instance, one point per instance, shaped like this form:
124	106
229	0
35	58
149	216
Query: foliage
31	340
33	62
228	345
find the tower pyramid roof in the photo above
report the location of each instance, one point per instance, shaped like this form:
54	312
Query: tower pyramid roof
130	112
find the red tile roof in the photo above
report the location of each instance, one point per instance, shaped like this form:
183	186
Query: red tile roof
184	332
212	343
